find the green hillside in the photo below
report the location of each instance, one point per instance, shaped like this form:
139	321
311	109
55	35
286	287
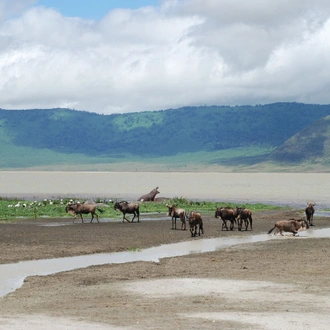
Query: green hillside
311	144
189	138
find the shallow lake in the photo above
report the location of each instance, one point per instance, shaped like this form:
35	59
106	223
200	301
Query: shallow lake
294	189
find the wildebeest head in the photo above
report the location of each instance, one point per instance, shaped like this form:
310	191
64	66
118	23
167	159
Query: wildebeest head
155	191
304	224
119	205
170	209
70	208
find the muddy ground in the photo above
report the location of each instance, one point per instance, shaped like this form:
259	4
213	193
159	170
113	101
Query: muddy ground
282	283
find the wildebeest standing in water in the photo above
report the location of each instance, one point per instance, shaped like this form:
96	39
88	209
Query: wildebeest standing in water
309	210
130	208
195	220
175	213
149	197
291	226
85	208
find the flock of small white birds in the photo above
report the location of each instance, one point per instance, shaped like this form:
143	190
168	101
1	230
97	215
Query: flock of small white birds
49	202
36	203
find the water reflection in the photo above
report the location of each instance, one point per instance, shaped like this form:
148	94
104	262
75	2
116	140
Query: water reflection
12	275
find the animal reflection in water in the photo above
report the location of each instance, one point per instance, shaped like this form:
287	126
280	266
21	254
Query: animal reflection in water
85	208
130	208
292	226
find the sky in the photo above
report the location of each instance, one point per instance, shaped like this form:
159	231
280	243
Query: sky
131	56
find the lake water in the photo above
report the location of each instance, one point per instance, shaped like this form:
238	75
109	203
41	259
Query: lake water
294	189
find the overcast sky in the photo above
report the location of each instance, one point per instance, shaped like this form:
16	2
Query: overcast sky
154	55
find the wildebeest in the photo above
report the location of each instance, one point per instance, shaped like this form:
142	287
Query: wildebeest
291	226
149	197
175	213
195	220
246	216
226	213
130	208
309	210
85	208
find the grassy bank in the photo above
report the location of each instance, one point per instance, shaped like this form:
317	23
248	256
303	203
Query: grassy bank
11	209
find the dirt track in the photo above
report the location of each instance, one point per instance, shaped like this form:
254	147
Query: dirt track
269	285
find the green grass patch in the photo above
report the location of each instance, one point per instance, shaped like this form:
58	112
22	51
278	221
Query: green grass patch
11	209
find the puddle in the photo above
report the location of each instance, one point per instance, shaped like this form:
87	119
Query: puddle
54	224
315	233
322	214
12	275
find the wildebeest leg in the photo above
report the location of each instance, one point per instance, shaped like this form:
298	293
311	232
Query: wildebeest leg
246	222
133	217
195	231
231	224
224	224
96	216
173	223
124	218
183	223
82	220
192	231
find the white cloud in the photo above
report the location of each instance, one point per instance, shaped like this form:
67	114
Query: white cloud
9	8
188	52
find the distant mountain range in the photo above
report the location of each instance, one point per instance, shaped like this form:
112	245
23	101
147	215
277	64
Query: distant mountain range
271	137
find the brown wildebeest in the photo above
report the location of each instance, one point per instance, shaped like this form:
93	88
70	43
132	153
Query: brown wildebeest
194	220
130	208
309	210
175	212
246	216
149	197
226	213
291	226
78	208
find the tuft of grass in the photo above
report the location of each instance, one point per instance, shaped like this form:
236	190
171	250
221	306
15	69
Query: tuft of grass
134	249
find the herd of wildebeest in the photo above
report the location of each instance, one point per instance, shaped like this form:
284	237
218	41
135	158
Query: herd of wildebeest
240	215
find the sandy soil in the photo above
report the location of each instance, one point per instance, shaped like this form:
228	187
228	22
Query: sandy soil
278	284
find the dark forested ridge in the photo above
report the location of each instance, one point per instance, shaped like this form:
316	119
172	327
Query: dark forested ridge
157	133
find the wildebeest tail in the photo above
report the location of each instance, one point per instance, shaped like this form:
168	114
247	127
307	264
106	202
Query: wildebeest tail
271	230
100	210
